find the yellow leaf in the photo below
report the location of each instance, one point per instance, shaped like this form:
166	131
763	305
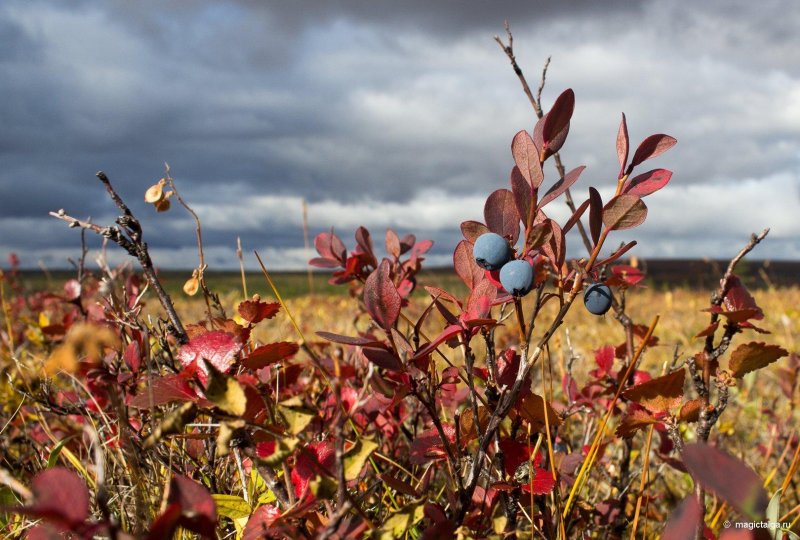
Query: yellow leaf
191	286
231	506
356	457
295	416
225	392
155	192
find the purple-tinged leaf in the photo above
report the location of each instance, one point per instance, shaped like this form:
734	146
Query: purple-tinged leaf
616	255
595	214
501	214
349	340
651	147
322	262
561	186
539	235
728	477
449	332
364	241
472	230
526	158
647	183
381	297
523	195
383	359
555	248
406	243
576	216
558	117
684	520
623	143
624	212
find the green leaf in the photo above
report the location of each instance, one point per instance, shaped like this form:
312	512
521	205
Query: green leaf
356	457
773	511
56	451
231	506
399	522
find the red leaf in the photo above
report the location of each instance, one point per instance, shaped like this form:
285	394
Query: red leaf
555	248
133	356
526	158
254	311
316	459
259	523
652	146
558	118
428	445
738	298
59	497
198	511
364	241
728	477
502	217
561	186
604	357
164	525
622	143
647	183
595	214
576	216
449	332
392	243
472	230
684	520
624	212
270	354
660	394
381	297
162	390
628	274
216	347
466	267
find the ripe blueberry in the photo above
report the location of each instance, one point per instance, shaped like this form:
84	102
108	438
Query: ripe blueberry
517	277
491	251
597	298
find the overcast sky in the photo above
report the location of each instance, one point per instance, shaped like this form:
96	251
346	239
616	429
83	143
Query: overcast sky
384	114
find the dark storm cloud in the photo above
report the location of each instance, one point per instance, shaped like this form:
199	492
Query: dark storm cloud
363	108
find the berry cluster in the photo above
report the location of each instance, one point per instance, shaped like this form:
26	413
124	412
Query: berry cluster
492	252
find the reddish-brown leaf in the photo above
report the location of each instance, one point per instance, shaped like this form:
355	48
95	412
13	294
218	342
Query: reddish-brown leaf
381	297
392	243
576	216
502	217
163	390
398	485
652	146
526	157
647	183
561	186
624	212
382	358
198	511
690	411
270	354
59	497
254	311
558	117
738	298
466	267
708	330
428	445
622	143
260	522
728	477
660	394
523	195
472	230
348	340
752	356
595	214
635	420
539	235
532	408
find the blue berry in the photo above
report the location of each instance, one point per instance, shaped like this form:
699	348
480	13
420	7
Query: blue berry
516	277
597	298
491	251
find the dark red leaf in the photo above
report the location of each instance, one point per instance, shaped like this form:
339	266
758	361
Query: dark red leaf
523	195
624	212
270	354
622	143
684	520
558	117
561	186
576	216
428	445
555	248
472	230
163	390
383	358
316	459
526	158
59	497
349	340
728	477
595	214
330	246
616	255
502	217
738	298
260	522
198	511
381	297
133	356
651	147
164	525
647	183
398	485
449	332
